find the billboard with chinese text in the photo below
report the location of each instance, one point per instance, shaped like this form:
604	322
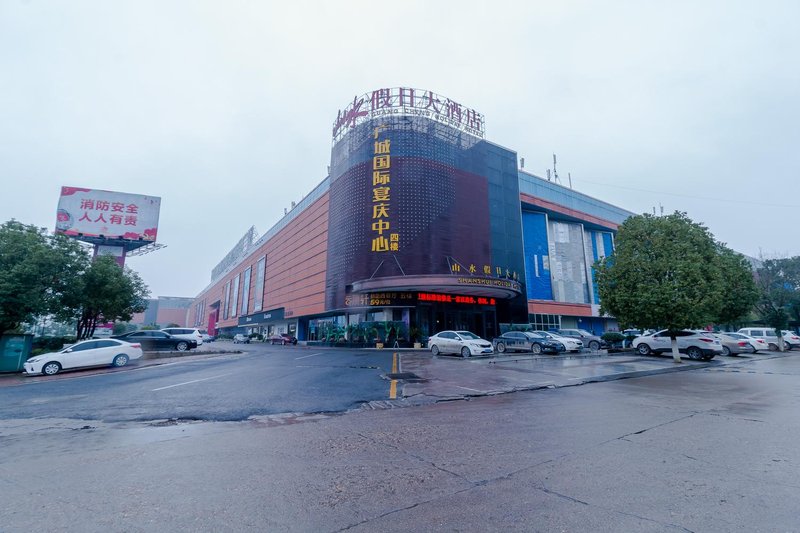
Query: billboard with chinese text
95	215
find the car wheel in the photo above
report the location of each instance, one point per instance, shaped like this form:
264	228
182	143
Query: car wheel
435	350
465	352
594	345
120	360
51	369
182	346
536	348
752	348
773	347
694	353
644	349
501	347
726	351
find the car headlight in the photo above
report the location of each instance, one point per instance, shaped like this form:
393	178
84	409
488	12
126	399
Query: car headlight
34	359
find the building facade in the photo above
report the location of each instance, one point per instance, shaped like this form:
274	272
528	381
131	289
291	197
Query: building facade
421	225
163	311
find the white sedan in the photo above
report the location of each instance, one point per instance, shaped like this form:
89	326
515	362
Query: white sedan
571	344
464	343
95	352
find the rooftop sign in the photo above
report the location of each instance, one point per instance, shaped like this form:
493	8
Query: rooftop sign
396	101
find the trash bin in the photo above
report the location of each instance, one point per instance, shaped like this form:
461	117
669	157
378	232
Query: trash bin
14	351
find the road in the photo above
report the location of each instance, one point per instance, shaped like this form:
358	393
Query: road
263	380
708	449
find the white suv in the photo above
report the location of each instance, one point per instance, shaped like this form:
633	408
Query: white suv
697	345
191	334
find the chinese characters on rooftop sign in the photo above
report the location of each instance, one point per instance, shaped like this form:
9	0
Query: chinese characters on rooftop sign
92	213
407	101
381	196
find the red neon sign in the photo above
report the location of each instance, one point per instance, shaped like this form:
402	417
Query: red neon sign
457	299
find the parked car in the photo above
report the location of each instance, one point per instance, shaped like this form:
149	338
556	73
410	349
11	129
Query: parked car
768	335
589	339
791	338
733	343
95	352
206	336
696	345
157	340
459	342
282	338
755	344
185	333
526	341
570	344
241	339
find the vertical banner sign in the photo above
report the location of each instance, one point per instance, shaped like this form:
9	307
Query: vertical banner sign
381	196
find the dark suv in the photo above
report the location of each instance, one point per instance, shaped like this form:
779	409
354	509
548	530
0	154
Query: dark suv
590	340
157	340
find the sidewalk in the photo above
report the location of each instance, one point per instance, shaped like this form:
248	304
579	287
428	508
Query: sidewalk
429	379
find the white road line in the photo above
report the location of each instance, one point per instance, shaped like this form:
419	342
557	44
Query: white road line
312	355
476	390
190	382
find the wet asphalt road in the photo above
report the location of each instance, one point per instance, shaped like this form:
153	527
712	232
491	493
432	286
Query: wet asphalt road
264	380
708	449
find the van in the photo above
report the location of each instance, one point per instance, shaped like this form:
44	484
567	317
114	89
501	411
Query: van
767	334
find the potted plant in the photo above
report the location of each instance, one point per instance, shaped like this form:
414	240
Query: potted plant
416	335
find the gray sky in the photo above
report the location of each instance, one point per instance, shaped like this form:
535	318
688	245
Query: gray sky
224	109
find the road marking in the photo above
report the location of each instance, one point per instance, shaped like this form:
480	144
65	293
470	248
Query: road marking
312	355
190	382
467	388
393	384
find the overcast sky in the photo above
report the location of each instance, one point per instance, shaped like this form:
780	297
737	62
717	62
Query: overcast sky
224	109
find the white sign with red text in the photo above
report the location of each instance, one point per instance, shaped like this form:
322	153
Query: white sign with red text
113	215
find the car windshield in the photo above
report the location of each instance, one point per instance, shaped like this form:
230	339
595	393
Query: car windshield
585	333
467	335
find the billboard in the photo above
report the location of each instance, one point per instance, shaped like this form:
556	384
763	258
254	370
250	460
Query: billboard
94	215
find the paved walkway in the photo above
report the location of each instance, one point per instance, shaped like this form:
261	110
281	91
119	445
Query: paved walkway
427	379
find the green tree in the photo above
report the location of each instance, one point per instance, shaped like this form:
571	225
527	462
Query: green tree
778	282
105	292
668	272
36	269
740	293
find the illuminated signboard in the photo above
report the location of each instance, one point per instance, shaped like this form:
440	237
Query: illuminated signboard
88	213
454	299
381	196
373	299
396	101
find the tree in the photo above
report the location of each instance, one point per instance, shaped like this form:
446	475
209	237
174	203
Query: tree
35	271
739	287
668	272
105	291
778	282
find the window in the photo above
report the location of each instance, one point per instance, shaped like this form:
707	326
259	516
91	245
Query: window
246	290
258	297
545	322
84	346
106	344
235	297
226	300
